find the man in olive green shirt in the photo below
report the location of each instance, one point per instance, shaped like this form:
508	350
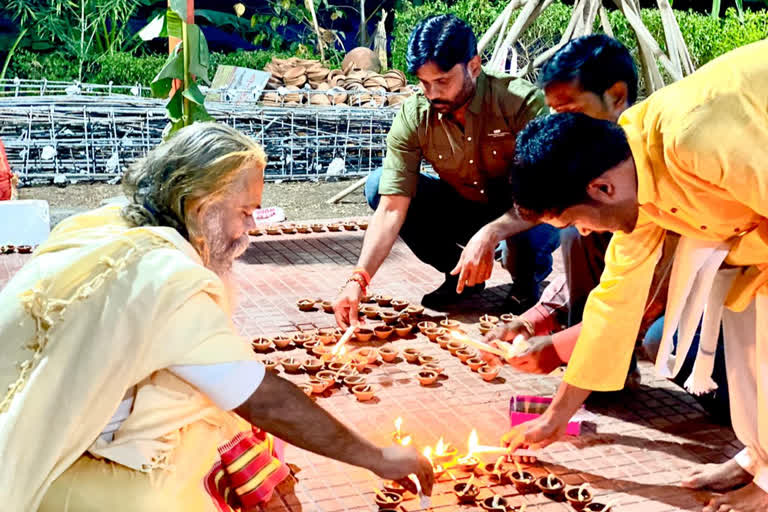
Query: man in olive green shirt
464	125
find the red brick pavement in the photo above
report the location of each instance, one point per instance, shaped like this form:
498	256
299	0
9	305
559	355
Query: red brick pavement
636	448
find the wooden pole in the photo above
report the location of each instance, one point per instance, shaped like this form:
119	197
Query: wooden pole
344	193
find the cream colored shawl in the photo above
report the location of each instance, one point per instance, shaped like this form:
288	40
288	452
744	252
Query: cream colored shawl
80	324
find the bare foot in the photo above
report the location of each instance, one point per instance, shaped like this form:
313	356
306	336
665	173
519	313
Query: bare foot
718	477
747	499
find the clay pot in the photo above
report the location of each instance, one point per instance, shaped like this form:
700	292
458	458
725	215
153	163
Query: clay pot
354	380
270	364
524	483
432	333
433	367
489	319
444	340
465	354
392	486
303	228
454	346
414	310
466	496
427	377
389	317
449	324
327	376
362	224
336	366
318	228
411	355
319	385
486	327
426	324
382	331
399	304
475	363
327	306
306	304
489	373
363	334
497	477
282	342
254	232
554	490
578	500
371	312
334	227
320	351
467	463
392	500
291	365
349	226
383	300
507	317
403	330
290	229
326	338
273	230
492	503
363	392
360	364
426	360
307	389
368	299
312	365
261	344
369	354
388	354
300	338
310	345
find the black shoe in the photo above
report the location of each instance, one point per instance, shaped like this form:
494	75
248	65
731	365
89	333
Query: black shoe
446	294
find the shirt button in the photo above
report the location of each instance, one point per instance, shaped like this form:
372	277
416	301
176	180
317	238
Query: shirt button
469	139
474	183
440	157
471	161
482	191
736	230
674	210
703	227
494	151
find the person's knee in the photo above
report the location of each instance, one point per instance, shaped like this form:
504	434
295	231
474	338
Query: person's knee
372	188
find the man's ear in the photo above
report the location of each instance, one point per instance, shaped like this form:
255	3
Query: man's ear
475	65
601	190
616	97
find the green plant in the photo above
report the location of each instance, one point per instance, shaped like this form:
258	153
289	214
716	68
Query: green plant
188	61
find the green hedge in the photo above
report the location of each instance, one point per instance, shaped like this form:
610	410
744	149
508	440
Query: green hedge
706	37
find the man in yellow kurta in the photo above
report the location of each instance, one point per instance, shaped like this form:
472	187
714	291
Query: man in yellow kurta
691	159
124	385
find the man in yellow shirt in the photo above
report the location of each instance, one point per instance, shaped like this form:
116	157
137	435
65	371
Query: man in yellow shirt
124	384
691	159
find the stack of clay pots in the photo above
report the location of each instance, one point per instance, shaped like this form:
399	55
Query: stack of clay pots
304	81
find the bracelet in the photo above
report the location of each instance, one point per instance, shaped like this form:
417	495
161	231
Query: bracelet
364	274
357	278
526	323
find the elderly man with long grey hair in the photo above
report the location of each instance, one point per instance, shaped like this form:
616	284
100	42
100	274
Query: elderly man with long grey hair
124	384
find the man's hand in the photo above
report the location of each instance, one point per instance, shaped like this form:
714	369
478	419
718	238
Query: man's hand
347	304
397	462
535	434
503	332
476	262
541	357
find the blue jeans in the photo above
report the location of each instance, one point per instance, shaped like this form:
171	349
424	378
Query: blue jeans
716	403
440	220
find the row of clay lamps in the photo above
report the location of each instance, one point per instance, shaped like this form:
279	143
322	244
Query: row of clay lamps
21	249
441	334
292	229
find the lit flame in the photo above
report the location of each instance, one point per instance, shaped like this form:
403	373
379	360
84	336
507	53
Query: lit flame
440	447
398	424
428	453
474	447
338	348
472	443
405	441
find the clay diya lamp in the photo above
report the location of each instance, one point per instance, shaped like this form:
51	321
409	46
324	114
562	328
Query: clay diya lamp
327	376
392	486
319	385
595	507
551	486
273	230
444	340
371	312
433	367
412	355
468	463
578	497
388	500
291	364
310	345
255	232
465	354
388	354
327	306
282	342
492	503
369	354
427	360
363	392
403	329
303	228
399	304
318	228
507	317
367	299
466	492
306	304
475	363
489	373
524	482
24	249
454	346
312	365
335	366
349	226
495	475
449	324
334	227
383	300
261	344
359	363
427	377
321	352
486	327
363	334
354	380
382	331
426	324
389	317
489	319
270	364
432	333
307	389
362	224
289	229
325	338
414	310
300	338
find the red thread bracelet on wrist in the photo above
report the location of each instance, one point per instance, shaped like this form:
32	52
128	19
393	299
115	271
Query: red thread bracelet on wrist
364	274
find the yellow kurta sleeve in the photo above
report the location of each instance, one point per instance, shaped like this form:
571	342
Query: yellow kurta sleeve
614	309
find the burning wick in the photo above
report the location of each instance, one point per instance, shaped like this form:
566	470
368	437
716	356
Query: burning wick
398	424
495	503
381	495
405	441
550	480
582	493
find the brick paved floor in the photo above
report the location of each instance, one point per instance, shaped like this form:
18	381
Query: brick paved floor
635	449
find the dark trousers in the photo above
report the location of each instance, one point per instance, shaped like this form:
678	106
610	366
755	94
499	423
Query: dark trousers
440	221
